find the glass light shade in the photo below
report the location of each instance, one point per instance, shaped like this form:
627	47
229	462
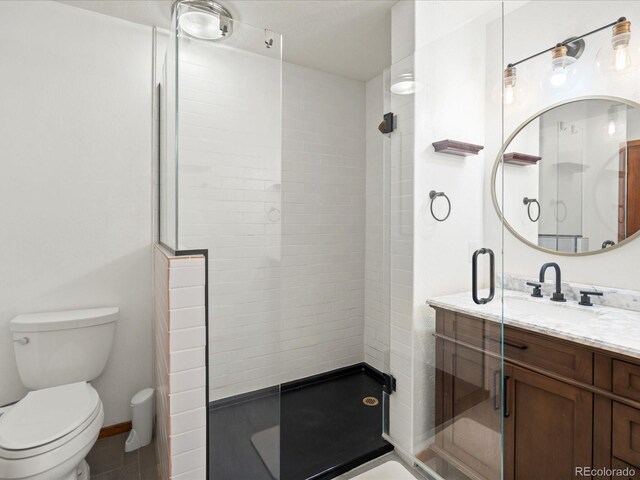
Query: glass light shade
405	84
561	75
201	25
620	54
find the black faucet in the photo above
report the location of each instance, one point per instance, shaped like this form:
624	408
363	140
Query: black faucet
557	296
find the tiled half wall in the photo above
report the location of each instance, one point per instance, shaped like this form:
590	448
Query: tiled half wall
179	367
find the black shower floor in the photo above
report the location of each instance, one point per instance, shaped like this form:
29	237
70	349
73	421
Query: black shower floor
325	430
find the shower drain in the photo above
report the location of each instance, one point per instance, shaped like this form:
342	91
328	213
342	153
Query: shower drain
370	401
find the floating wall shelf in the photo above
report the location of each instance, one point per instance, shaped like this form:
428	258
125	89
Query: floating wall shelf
453	147
521	159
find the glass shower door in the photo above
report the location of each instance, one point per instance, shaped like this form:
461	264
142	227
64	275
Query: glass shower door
228	137
444	245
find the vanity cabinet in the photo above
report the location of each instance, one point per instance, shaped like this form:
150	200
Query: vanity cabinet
566	405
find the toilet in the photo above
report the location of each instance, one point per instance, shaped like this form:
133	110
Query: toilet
48	433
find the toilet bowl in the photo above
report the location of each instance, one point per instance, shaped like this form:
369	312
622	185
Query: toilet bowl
48	433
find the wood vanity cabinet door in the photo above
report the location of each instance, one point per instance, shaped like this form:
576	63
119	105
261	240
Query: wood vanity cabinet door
470	432
548	430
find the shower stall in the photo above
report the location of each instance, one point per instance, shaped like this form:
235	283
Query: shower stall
317	228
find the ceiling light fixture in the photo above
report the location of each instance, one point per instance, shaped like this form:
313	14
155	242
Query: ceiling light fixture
204	19
405	84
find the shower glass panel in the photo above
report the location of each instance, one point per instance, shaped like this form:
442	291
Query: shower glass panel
445	349
227	180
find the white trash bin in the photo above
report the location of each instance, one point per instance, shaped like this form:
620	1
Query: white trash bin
142	406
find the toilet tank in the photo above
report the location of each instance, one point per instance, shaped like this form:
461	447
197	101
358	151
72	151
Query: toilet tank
57	348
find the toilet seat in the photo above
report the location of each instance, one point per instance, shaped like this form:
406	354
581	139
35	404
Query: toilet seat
46	419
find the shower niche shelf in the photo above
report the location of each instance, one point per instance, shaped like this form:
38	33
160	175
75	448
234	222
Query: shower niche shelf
521	159
454	147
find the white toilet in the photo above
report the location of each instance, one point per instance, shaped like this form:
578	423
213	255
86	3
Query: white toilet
47	434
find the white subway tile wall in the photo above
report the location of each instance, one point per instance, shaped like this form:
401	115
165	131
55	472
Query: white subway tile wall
281	211
180	369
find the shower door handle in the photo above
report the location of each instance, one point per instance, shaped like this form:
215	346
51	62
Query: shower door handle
474	275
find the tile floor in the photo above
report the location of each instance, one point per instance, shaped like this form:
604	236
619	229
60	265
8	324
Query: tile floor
108	461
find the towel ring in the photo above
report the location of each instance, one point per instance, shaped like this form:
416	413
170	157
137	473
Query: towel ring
433	195
528	201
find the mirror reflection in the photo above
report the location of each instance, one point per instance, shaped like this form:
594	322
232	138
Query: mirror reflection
572	176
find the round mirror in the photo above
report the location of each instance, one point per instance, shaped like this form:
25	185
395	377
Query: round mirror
571	177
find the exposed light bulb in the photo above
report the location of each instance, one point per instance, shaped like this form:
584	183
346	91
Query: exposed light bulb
509	85
558	76
509	94
617	56
560	65
611	129
621	58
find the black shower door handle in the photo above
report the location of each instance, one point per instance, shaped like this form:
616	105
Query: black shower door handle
474	275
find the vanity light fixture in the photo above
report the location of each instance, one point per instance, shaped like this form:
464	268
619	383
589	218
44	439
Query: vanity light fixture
618	57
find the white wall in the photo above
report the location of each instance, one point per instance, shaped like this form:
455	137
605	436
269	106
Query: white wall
450	107
75	187
529	29
285	232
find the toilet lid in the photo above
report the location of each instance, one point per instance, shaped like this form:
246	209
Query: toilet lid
46	415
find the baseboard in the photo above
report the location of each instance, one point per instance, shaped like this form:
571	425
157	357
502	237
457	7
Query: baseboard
116	429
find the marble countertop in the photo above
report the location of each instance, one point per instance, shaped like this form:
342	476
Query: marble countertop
613	329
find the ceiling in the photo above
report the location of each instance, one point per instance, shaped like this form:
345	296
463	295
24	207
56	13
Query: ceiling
350	38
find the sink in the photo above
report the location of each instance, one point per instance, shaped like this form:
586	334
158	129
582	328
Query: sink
515	307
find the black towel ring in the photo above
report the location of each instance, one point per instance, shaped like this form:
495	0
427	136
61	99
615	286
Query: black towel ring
528	201
433	195
608	243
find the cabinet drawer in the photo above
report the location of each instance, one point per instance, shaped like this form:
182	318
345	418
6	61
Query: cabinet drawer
540	351
626	434
626	379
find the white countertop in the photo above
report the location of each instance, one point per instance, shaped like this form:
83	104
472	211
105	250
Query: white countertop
612	329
